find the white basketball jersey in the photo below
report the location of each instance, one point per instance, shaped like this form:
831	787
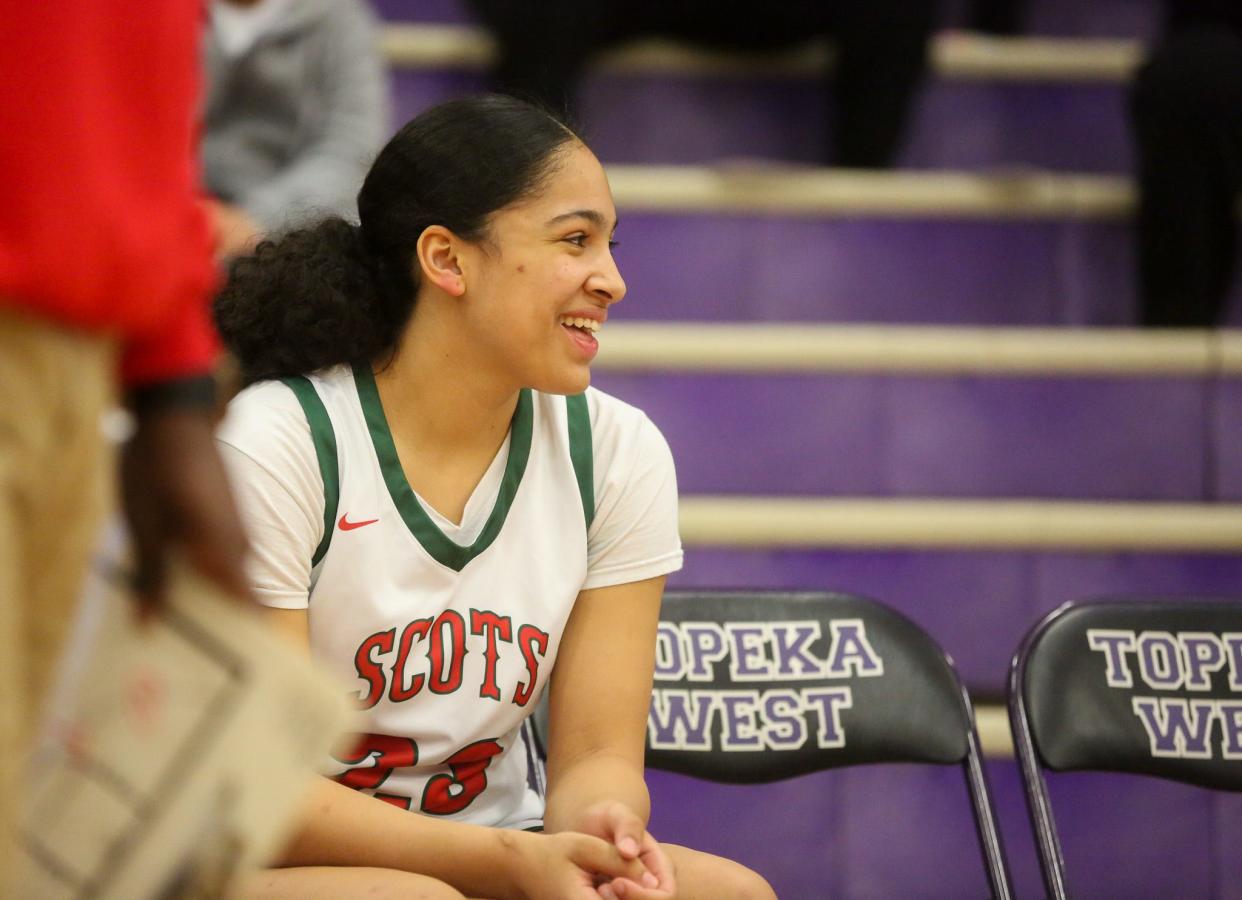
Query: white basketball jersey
450	644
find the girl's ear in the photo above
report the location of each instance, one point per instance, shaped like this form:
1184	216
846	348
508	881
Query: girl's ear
437	257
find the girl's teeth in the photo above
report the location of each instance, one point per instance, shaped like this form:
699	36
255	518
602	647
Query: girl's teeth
587	324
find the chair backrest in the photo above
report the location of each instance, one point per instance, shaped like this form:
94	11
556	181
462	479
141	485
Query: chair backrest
1146	686
758	686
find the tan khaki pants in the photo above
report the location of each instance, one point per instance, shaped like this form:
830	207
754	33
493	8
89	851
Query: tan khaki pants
56	483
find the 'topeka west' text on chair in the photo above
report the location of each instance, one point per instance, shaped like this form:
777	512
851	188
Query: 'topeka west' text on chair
754	687
1151	687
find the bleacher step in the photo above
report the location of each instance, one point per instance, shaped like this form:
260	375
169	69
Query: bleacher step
711	245
953	56
782	190
832	410
977	524
771	347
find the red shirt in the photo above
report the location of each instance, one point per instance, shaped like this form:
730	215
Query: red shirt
100	224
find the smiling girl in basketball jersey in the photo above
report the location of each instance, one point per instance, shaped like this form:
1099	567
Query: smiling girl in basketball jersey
446	515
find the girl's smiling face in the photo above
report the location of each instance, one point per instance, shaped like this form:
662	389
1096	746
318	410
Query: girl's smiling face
539	288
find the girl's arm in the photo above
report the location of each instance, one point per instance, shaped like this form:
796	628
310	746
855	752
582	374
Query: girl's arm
600	695
341	827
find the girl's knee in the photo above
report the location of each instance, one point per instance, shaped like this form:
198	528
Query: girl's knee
702	876
747	884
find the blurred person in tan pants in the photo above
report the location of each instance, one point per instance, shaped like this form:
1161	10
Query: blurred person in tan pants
105	274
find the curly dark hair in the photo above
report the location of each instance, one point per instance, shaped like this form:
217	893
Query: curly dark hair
337	292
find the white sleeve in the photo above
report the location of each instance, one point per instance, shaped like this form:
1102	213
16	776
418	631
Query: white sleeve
266	446
634	535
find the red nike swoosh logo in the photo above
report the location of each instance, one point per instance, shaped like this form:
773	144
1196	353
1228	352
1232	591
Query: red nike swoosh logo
350	526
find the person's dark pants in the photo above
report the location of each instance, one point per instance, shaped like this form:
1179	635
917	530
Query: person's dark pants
1006	17
1186	108
880	60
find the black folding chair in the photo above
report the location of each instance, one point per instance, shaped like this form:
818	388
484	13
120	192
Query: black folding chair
1150	687
756	687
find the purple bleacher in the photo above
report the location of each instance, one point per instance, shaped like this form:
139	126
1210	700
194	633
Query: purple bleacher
439	11
414	90
1229	871
697	119
1065	127
879	832
957	125
773	268
823	434
976	603
1227	444
934	271
857	269
815	836
895	818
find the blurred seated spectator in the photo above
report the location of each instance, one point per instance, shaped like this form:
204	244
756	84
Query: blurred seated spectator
881	52
1186	108
296	108
998	17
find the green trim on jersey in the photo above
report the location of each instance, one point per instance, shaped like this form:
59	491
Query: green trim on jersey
581	452
426	532
324	439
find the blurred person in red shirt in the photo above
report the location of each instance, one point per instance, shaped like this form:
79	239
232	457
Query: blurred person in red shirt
105	274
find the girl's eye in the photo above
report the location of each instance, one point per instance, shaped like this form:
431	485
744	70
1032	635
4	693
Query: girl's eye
580	240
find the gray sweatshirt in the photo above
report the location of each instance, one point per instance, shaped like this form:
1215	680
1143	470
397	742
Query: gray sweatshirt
293	120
